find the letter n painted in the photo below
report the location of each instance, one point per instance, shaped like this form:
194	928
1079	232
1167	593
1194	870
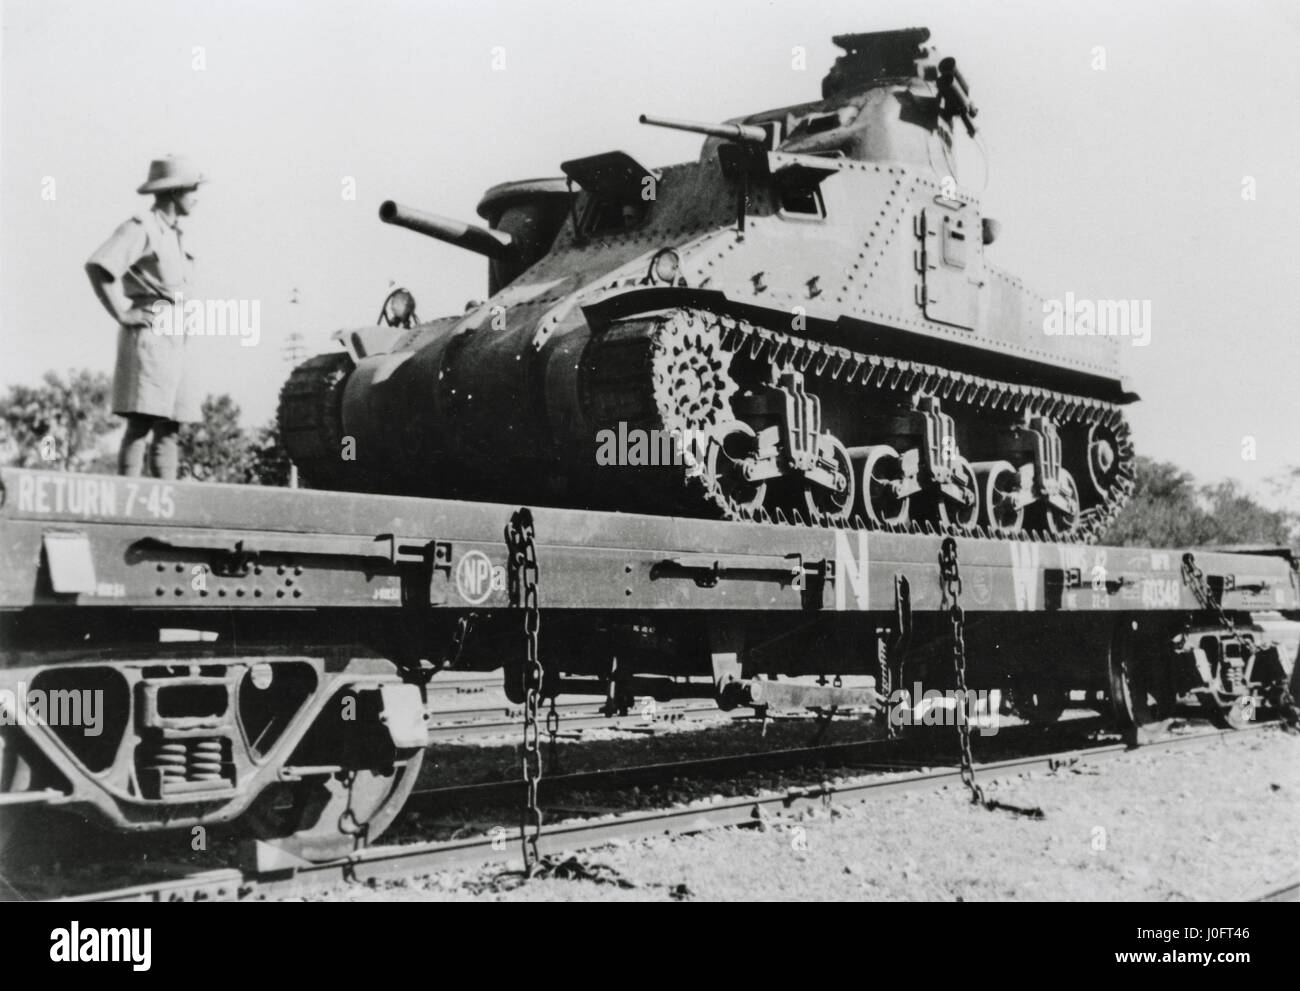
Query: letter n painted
851	570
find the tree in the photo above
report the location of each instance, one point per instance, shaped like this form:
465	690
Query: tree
219	449
1167	509
269	460
215	449
1286	490
1236	518
1162	510
57	424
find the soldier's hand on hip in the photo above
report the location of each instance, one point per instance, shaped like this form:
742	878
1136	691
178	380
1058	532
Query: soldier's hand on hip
135	318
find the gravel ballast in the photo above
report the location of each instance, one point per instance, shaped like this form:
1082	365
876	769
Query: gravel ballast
1213	821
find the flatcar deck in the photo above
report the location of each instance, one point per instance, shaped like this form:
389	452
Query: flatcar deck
98	541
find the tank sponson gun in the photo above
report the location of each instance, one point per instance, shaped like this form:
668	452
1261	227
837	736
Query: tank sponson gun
471	237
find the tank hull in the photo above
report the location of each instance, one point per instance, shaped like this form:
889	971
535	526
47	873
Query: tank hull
809	304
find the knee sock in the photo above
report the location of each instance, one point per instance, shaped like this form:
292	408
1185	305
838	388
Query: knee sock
130	456
163	455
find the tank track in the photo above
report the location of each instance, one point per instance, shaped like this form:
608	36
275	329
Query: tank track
310	418
669	372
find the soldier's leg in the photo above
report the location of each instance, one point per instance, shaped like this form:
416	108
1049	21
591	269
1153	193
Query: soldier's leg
130	456
163	455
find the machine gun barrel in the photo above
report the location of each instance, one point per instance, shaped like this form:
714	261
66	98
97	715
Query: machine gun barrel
494	244
743	133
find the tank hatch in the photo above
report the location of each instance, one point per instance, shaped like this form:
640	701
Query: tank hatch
615	174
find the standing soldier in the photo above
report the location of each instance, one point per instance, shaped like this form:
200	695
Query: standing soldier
141	269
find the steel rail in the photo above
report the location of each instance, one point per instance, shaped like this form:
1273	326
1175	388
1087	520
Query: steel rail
635	775
1287	891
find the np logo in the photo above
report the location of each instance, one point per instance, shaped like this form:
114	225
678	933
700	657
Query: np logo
477	578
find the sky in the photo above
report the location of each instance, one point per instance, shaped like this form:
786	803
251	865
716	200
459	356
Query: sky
1117	182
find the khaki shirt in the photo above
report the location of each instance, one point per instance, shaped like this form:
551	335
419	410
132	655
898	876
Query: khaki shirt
152	375
147	255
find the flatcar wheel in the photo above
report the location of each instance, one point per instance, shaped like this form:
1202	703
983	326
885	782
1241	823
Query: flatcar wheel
15	772
999	486
730	447
1039	705
322	819
834	506
19	824
1132	687
882	470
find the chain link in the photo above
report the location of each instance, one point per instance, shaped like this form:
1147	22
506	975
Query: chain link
522	587
950	585
1195	579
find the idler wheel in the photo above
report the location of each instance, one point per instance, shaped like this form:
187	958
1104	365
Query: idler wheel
310	416
999	488
1103	458
731	447
882	474
834	506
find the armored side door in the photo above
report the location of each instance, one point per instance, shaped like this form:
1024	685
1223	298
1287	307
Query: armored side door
950	261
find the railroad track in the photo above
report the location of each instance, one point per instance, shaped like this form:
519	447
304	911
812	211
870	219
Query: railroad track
641	775
1287	891
447	724
893	776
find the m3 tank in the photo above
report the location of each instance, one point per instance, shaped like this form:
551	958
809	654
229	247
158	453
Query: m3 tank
802	325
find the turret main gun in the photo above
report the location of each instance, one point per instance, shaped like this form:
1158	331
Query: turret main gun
748	134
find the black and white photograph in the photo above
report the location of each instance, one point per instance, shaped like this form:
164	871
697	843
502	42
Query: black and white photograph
582	451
